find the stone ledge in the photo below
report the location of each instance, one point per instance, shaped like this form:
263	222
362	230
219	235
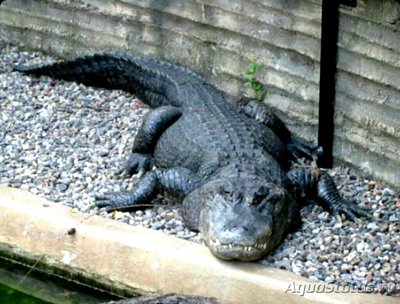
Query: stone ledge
118	256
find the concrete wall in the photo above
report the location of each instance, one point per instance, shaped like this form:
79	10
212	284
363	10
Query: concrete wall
218	38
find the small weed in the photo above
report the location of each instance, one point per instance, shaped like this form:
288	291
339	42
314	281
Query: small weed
252	82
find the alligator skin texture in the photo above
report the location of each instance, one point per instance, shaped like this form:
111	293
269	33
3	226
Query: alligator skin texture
229	165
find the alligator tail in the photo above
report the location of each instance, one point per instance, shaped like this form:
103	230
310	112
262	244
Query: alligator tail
149	79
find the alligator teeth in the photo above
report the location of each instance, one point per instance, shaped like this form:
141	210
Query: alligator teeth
260	246
217	243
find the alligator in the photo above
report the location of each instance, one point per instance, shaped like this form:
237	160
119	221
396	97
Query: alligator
227	163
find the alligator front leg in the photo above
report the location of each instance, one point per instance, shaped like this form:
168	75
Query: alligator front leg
155	123
145	191
174	182
311	182
260	112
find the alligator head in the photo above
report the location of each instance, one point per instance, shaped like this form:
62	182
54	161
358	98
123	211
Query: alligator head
243	219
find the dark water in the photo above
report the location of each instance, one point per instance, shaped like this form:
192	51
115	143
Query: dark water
9	295
22	285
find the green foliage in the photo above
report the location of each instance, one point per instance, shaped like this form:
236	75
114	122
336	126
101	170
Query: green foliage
252	82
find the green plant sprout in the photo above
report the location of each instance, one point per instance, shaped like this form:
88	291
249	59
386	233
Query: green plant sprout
252	82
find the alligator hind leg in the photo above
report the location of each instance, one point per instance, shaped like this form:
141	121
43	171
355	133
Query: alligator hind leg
175	182
260	112
155	123
313	183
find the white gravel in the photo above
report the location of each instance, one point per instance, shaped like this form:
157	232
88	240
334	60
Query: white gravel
65	142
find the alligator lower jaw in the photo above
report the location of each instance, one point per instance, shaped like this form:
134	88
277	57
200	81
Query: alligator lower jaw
236	251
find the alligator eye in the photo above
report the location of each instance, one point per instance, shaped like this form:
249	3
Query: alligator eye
260	194
269	200
257	199
265	206
263	191
274	197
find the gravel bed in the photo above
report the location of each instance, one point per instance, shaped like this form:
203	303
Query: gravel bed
65	141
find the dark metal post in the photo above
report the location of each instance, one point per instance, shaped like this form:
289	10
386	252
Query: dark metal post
329	36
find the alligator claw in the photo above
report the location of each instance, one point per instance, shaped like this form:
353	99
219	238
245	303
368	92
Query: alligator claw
137	163
113	201
350	209
300	149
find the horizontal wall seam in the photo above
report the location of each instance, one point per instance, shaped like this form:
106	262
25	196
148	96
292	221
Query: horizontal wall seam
242	33
239	34
391	158
391	84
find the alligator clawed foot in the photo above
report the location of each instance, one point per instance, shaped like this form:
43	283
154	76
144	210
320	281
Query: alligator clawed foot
350	209
300	149
112	201
138	163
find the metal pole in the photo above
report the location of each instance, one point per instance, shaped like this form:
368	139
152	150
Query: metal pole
329	36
